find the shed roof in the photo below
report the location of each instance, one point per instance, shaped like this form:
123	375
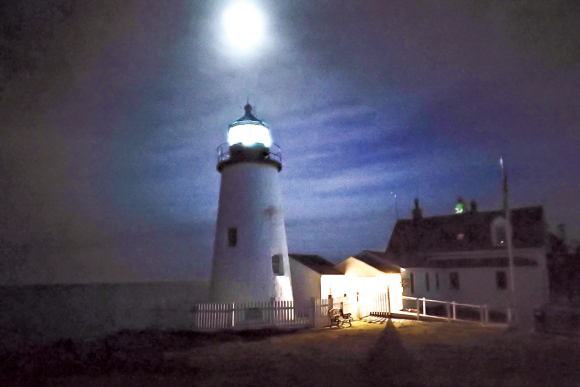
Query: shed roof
377	260
316	263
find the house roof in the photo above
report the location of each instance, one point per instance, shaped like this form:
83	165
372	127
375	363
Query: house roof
316	263
439	234
376	259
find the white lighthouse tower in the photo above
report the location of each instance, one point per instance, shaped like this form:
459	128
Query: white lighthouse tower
250	257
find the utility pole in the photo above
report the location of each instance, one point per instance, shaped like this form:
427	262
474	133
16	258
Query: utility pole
508	231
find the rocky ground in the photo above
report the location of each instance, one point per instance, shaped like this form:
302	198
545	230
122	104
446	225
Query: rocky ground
399	352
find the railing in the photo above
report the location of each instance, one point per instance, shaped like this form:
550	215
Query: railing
274	152
253	315
285	314
223	152
452	310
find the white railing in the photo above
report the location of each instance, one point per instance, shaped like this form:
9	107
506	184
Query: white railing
253	315
284	314
381	307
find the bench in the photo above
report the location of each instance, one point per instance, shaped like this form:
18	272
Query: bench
337	318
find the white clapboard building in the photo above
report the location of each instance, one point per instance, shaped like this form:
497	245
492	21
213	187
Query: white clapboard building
463	257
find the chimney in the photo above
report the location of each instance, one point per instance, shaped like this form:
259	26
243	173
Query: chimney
473	206
417	212
562	231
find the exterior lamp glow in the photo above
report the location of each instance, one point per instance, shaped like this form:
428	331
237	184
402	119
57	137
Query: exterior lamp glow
460	206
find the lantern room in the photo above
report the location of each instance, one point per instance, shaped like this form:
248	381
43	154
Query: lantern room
249	131
249	140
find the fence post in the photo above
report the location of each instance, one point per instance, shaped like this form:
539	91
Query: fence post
486	311
447	306
424	308
312	312
388	301
454	310
233	314
418	308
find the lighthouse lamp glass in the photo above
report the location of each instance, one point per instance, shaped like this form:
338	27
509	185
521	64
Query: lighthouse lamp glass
249	135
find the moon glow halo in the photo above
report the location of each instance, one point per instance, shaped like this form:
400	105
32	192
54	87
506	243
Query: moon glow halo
243	24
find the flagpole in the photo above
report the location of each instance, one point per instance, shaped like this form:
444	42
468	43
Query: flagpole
508	231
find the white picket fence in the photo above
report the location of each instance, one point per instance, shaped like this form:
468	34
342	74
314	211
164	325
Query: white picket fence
284	314
417	308
255	315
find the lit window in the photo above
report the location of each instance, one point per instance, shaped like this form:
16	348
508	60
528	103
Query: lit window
277	264
232	236
501	280
454	280
460	236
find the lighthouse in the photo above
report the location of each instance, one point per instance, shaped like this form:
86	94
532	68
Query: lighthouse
250	257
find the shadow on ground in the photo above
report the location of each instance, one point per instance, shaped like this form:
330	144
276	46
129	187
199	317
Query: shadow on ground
388	361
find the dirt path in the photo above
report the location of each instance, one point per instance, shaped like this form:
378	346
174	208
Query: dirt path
401	352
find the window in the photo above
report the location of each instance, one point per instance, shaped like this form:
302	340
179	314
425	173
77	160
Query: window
277	264
454	280
498	232
437	280
412	277
501	280
232	236
427	285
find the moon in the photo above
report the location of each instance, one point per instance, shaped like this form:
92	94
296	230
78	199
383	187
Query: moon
244	25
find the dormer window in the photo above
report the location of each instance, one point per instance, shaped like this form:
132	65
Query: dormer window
498	232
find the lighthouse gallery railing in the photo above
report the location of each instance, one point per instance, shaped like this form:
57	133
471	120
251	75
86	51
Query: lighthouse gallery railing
274	152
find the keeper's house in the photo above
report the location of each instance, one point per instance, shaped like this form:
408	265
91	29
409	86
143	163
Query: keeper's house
463	258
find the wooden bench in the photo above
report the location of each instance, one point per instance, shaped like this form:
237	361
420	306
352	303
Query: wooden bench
337	318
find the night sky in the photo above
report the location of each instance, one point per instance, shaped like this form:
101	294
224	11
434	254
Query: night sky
111	112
